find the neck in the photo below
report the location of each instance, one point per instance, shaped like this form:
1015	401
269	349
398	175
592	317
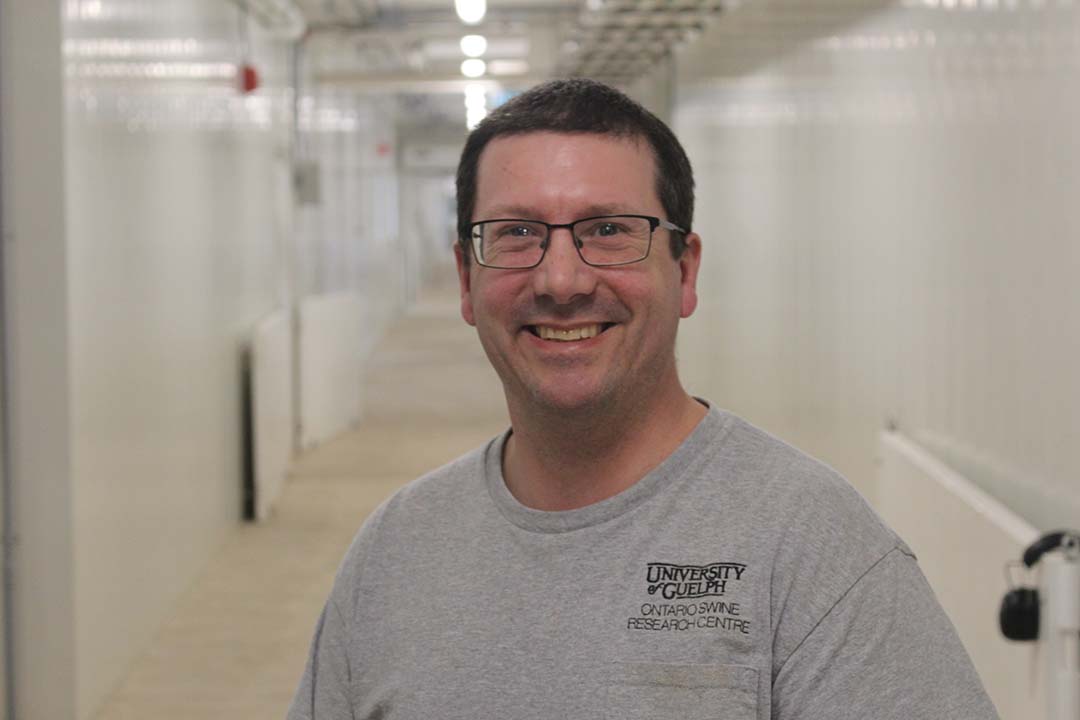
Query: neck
563	461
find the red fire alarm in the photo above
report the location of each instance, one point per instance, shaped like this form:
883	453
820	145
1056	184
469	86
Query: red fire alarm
248	77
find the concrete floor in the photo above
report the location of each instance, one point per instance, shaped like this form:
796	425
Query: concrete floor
237	642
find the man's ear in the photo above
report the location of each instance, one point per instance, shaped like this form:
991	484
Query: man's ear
465	283
689	264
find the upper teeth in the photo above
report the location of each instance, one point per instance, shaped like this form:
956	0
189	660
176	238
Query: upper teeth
579	333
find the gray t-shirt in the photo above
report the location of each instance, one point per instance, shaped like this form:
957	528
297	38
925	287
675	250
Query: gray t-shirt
739	580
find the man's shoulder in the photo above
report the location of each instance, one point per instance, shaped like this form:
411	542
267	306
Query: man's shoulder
447	486
780	485
753	455
422	511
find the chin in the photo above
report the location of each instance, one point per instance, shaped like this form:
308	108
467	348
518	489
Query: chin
572	400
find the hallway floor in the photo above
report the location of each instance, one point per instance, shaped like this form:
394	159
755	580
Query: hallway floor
236	644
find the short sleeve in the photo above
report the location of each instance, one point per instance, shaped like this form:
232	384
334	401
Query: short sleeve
326	688
323	693
886	650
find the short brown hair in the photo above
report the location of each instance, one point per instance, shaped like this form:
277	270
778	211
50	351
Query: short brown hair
579	105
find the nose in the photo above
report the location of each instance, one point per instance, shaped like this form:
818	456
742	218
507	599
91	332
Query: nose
563	275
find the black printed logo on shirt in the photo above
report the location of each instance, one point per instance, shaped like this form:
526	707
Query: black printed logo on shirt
681	599
689	582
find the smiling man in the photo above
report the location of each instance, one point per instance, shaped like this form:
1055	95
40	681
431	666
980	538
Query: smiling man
579	321
624	550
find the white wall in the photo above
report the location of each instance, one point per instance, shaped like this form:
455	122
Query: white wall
428	226
36	301
348	238
149	229
428	158
174	250
888	205
349	246
334	339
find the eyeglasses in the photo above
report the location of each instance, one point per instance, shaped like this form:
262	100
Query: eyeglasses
601	241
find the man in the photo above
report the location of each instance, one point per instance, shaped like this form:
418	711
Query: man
624	550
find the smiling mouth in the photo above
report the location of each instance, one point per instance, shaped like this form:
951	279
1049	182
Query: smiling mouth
584	332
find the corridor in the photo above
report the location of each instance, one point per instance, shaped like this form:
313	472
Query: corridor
236	644
226	232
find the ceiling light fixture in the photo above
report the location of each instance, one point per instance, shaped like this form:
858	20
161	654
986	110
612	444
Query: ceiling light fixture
470	11
474	116
474	45
475	95
473	68
475	104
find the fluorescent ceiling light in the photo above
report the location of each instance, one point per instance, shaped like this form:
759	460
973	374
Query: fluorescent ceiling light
473	116
474	45
473	68
475	96
447	49
470	11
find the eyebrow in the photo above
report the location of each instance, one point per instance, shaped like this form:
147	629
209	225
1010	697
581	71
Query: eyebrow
524	212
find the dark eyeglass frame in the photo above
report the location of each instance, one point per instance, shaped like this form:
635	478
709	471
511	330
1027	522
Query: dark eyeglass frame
654	223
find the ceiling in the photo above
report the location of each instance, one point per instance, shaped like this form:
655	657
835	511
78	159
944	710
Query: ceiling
411	48
414	44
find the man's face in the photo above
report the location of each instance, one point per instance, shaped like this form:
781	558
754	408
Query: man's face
614	327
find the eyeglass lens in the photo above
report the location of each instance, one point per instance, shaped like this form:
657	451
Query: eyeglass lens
613	240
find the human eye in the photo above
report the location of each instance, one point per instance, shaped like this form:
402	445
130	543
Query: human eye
511	243
514	229
609	229
613	240
602	228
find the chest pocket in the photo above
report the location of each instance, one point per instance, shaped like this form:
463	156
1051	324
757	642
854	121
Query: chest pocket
662	691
